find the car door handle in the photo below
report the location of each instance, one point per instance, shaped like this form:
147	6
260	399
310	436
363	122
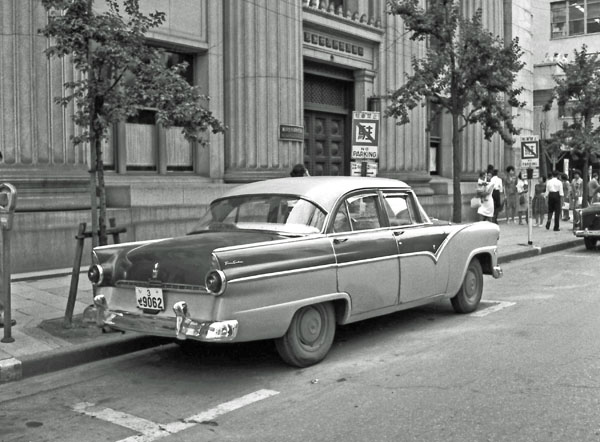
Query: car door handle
398	232
340	240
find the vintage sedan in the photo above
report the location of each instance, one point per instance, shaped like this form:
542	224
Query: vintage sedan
290	259
587	225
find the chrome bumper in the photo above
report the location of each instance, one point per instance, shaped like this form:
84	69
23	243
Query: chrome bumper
181	326
585	233
497	272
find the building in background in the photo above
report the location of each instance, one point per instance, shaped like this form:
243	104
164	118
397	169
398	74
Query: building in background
284	76
559	27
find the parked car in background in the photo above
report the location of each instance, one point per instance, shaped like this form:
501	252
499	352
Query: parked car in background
290	259
586	225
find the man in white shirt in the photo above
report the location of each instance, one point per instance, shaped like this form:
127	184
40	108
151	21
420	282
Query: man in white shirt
554	191
498	189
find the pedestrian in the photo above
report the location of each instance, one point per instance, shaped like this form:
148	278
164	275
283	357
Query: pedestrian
538	204
566	201
576	190
554	190
299	170
522	191
497	191
484	191
593	188
511	194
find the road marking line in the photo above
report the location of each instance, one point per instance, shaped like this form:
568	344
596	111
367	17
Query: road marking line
151	431
126	420
499	305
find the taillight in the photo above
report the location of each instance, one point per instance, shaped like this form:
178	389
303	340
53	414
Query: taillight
96	274
215	282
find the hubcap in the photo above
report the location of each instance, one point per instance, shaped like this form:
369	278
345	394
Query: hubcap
310	326
471	284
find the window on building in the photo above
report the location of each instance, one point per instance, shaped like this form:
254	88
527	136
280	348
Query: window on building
593	16
559	19
142	144
574	17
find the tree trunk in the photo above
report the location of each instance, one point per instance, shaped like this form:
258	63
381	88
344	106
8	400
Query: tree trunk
456	170
94	141
102	237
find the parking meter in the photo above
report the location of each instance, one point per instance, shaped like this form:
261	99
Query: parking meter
8	202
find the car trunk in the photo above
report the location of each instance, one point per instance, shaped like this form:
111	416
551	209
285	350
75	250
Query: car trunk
183	260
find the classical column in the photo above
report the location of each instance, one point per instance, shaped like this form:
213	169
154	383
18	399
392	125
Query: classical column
403	152
38	156
263	87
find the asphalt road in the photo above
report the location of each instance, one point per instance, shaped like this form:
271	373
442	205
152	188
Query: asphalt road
525	367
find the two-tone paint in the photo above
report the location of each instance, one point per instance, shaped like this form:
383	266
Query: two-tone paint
270	276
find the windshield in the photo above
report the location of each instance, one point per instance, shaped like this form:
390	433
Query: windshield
280	213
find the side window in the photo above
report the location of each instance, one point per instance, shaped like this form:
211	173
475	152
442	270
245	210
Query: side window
401	209
363	211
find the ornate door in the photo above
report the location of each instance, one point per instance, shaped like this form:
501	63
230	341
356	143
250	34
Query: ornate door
324	141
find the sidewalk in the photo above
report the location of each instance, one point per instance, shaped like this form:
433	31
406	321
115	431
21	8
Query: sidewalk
39	300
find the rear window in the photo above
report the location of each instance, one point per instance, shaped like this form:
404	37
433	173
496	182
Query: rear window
281	213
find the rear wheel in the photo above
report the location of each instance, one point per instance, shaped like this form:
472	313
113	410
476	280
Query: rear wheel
590	242
468	296
309	337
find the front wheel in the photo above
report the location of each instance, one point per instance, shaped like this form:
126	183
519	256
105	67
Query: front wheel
590	242
468	296
309	337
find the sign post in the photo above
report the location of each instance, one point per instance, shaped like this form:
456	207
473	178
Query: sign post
365	143
530	164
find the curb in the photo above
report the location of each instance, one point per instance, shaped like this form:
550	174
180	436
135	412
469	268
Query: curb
13	369
535	250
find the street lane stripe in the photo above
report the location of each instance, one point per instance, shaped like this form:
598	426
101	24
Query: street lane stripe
499	305
151	431
123	419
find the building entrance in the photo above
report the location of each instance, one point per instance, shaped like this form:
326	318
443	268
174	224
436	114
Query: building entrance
324	141
327	117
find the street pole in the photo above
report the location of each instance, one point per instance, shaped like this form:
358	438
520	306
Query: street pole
529	211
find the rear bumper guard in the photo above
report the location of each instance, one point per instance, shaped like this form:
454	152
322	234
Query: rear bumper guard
182	326
585	233
497	272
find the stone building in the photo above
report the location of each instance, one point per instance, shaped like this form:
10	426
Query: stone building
560	28
283	75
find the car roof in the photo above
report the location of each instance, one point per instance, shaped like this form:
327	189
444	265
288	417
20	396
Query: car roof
323	190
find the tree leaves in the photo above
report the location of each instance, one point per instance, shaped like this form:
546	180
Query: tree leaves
121	72
578	91
467	72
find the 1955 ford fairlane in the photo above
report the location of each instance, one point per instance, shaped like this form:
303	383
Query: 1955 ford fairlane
290	259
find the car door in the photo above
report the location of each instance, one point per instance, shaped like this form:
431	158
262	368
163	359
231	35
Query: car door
419	245
366	253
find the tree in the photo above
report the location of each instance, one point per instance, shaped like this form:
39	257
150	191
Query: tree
553	152
119	74
578	92
466	72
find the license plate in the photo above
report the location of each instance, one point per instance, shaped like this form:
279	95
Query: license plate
149	298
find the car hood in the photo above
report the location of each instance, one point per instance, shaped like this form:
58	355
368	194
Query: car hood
182	260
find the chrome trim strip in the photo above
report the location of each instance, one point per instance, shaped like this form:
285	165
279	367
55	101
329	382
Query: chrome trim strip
281	273
305	237
164	285
363	261
139	243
